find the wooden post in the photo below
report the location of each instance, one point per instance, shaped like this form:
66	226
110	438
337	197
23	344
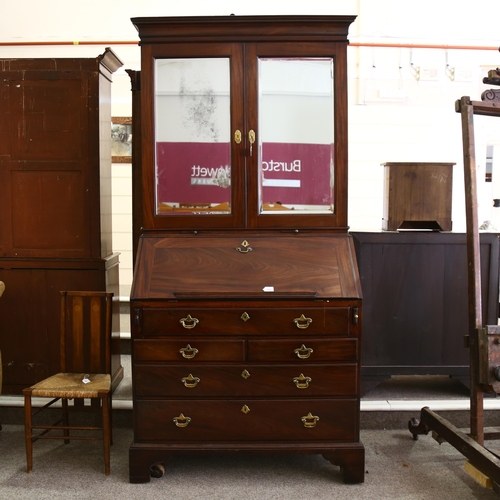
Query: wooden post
473	267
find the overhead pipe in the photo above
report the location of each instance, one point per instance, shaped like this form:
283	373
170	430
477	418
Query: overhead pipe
421	46
90	42
352	44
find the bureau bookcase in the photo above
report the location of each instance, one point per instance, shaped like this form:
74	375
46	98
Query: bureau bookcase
246	305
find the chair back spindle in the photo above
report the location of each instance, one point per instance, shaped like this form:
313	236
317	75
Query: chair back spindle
85	320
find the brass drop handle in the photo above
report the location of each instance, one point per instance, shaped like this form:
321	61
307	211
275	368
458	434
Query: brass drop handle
302	322
188	352
190	382
310	420
181	420
188	322
302	382
303	352
237	136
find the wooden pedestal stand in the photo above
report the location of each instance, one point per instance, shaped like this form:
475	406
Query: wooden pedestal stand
483	341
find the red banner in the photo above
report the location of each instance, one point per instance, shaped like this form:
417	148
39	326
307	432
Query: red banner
291	174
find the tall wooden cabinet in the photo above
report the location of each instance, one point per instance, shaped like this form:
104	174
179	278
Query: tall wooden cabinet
246	304
55	204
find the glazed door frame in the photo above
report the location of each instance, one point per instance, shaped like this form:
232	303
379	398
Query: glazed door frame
233	51
245	203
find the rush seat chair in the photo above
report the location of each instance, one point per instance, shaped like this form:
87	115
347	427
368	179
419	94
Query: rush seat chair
86	330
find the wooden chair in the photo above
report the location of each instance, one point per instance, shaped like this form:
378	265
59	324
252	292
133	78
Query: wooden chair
85	373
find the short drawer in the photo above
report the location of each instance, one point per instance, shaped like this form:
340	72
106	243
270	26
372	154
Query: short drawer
246	420
303	349
247	321
244	380
188	350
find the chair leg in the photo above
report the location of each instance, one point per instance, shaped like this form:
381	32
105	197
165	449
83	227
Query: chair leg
106	431
110	410
64	404
28	431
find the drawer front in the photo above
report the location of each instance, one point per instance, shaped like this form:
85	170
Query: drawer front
304	350
189	350
200	381
251	420
247	321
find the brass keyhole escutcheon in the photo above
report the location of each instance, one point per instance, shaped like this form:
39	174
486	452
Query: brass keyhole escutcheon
245	316
244	247
251	139
237	136
245	409
245	374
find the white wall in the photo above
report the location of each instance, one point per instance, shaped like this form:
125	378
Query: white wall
392	115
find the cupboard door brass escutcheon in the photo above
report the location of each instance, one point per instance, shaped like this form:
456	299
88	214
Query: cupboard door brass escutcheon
246	247
251	139
237	136
181	420
302	322
188	322
188	352
245	409
310	420
190	381
302	382
245	374
303	352
245	316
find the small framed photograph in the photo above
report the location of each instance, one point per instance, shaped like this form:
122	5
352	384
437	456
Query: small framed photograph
121	139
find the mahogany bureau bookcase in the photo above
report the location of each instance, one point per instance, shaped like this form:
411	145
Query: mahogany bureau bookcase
246	304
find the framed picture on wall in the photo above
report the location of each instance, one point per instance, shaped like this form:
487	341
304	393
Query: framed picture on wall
121	139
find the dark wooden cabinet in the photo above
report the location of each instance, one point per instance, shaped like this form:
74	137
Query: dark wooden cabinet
415	302
246	307
55	204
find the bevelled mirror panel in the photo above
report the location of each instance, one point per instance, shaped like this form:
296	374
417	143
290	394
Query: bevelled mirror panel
192	136
296	139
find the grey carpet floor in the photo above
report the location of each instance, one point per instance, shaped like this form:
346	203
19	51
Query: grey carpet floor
396	468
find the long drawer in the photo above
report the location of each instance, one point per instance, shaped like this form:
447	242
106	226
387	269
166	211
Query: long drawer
333	321
251	420
200	381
